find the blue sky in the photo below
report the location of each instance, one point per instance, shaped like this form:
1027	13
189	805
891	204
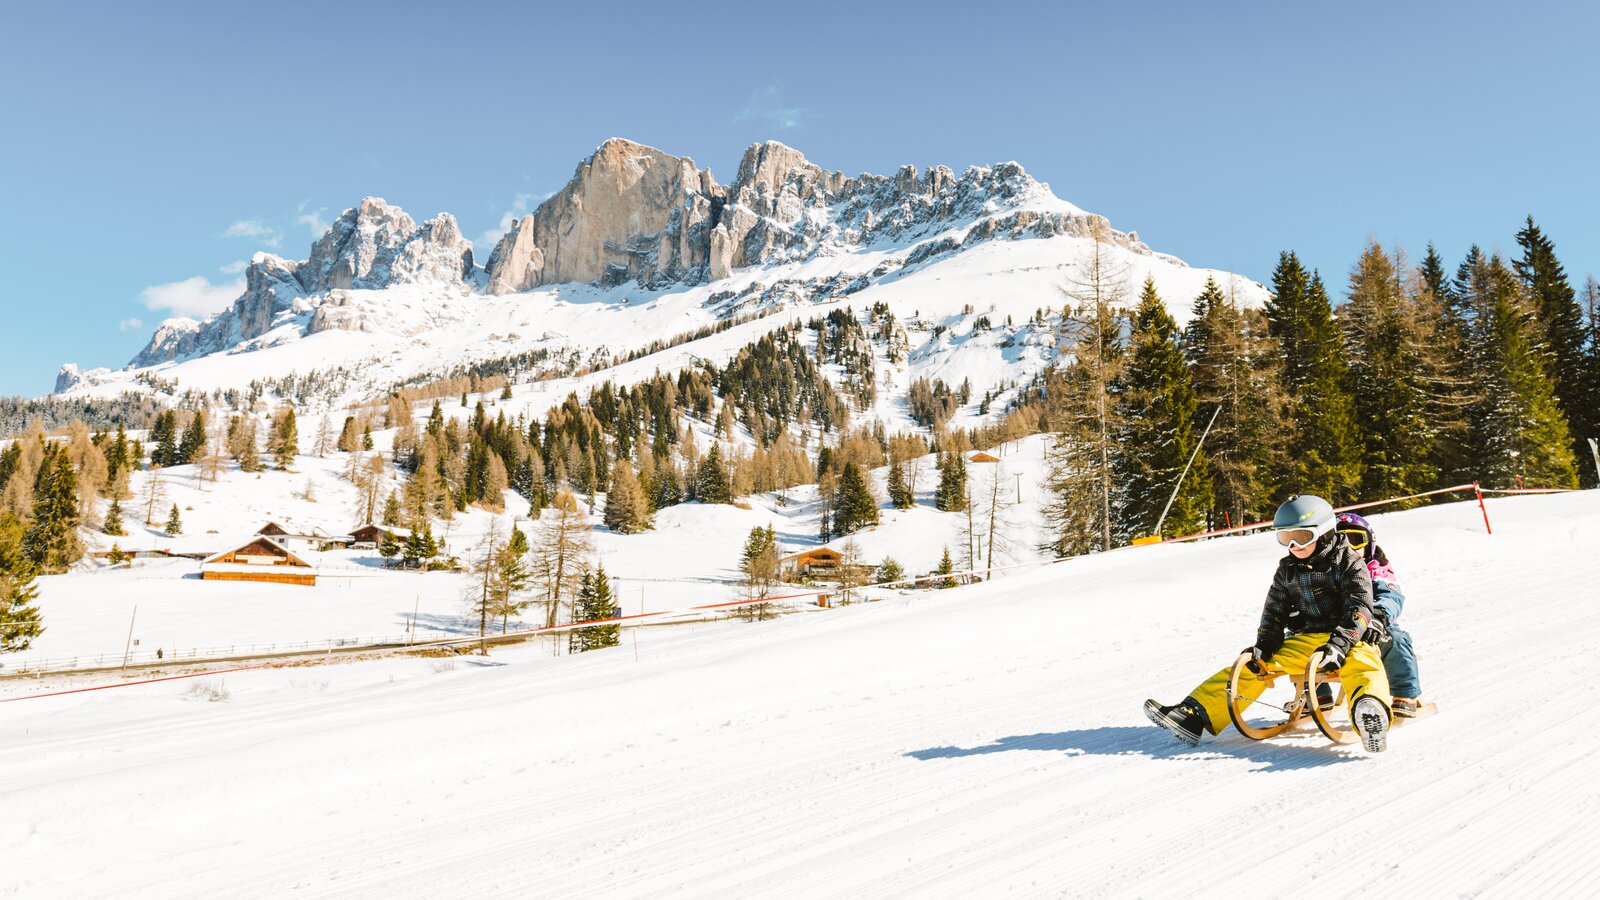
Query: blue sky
148	149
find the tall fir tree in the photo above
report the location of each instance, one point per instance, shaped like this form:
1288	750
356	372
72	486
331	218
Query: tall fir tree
951	494
1385	336
627	511
113	524
1236	373
20	623
1082	412
1560	318
1444	369
855	507
193	445
1157	413
711	480
51	543
1521	434
595	603
900	495
1325	443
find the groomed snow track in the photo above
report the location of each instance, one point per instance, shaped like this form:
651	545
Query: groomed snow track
985	741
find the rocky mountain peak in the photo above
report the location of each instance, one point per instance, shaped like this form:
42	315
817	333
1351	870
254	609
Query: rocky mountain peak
629	212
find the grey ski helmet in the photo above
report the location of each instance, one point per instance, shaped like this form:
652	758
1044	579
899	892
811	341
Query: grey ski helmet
1304	512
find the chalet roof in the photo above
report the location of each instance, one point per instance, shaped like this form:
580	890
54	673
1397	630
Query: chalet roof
813	553
981	457
260	539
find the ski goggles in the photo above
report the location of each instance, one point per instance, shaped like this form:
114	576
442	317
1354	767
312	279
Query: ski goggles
1357	537
1295	538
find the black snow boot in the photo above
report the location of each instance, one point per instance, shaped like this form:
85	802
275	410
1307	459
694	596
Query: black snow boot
1187	719
1372	721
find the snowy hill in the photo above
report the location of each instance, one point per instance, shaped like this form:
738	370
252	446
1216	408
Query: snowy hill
971	742
642	246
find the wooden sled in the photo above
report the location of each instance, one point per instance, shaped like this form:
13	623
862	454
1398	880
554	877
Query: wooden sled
1333	723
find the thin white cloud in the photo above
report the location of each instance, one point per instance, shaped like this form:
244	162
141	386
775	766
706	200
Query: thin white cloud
255	229
194	297
314	223
130	325
519	208
766	105
234	267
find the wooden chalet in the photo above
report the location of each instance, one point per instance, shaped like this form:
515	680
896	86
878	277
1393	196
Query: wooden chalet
820	561
314	540
369	536
981	457
262	559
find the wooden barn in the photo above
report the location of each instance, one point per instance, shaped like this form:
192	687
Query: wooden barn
262	559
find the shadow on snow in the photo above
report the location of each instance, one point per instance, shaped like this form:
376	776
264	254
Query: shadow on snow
1294	751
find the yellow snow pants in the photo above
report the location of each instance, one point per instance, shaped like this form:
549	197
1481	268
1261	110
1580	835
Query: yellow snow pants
1362	674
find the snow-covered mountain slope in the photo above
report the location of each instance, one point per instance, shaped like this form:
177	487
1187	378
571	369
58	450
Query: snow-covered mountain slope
641	247
973	742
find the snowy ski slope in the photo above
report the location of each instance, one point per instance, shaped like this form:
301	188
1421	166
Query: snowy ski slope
979	742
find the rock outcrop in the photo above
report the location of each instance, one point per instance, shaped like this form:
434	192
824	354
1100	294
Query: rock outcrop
370	246
633	212
629	212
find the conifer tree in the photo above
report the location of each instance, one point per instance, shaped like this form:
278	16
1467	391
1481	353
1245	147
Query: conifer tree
562	548
595	603
348	439
174	523
164	440
113	523
758	566
51	543
1385	337
951	495
855	507
1234	366
900	494
711	484
1560	319
1157	408
390	546
947	567
889	571
19	616
391	510
1520	432
1084	420
193	445
1325	445
285	442
626	509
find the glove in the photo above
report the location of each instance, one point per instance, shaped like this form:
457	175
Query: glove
1258	660
1332	658
1377	632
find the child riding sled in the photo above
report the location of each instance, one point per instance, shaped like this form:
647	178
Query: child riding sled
1320	602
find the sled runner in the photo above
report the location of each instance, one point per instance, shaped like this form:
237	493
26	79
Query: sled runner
1334	722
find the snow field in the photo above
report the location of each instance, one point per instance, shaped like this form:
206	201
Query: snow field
690	558
972	742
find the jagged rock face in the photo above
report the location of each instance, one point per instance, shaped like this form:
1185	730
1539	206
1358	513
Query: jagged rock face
437	253
271	287
629	212
372	245
361	244
632	212
172	338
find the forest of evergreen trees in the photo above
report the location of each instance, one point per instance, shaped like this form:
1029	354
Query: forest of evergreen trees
1420	380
